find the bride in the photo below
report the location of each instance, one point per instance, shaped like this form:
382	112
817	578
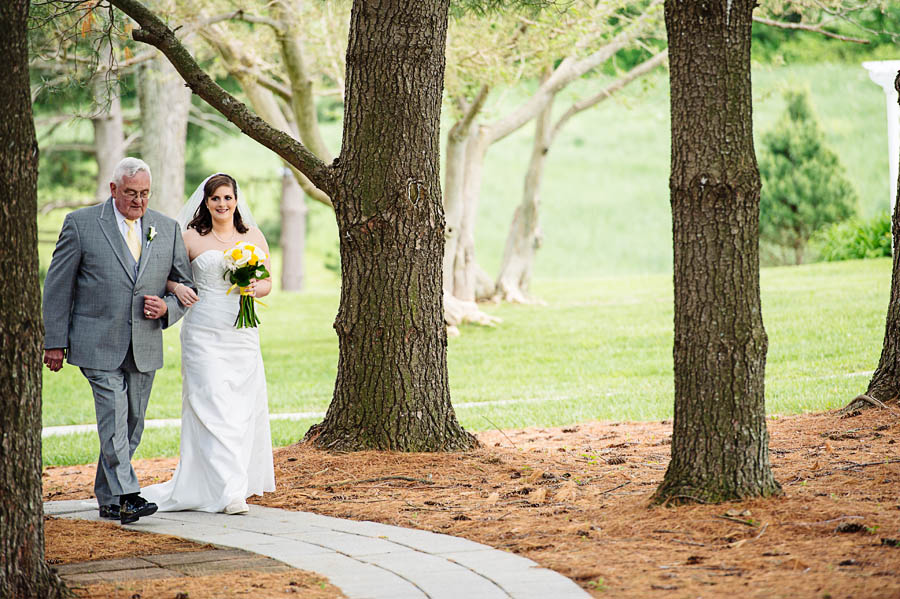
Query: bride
226	445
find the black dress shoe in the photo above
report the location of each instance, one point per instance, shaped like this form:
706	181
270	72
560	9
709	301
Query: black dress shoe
110	512
135	507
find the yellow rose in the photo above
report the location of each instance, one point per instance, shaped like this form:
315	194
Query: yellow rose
236	254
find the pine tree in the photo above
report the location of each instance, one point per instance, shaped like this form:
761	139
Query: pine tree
804	187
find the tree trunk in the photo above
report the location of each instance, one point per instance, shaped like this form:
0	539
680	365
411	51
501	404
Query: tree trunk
885	383
165	102
23	572
525	236
454	178
293	232
720	441
392	390
109	132
470	281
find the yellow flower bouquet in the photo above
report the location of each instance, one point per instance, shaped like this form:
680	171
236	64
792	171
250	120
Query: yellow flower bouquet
243	263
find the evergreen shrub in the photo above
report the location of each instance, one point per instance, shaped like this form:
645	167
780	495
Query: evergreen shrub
804	187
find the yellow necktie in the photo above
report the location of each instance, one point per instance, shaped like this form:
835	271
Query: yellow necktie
134	244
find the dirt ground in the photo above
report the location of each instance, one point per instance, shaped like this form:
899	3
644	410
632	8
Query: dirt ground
576	500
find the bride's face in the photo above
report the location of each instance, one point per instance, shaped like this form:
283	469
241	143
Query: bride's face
221	204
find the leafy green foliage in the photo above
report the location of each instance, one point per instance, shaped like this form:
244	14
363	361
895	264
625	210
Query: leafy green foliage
804	188
854	239
876	22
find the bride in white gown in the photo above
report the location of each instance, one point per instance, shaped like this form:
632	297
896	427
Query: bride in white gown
226	446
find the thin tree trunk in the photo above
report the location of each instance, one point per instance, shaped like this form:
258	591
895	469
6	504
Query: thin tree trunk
885	383
165	102
303	101
525	235
392	390
23	572
456	310
293	232
720	442
109	132
470	281
454	179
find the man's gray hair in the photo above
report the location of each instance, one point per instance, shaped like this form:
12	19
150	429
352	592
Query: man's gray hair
129	167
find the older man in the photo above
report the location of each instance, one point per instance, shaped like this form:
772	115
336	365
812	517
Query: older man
105	306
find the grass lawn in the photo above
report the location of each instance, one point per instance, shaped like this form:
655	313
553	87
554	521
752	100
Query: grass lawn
600	349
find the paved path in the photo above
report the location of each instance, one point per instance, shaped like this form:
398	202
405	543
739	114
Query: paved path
366	560
168	565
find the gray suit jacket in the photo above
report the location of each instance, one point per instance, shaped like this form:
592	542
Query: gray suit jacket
94	292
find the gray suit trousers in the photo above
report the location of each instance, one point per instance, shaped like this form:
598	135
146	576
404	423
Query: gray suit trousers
120	401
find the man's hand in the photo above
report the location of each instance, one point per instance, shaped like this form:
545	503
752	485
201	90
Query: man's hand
154	307
53	358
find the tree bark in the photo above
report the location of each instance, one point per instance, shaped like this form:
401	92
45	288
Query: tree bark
392	390
293	232
23	571
720	440
165	103
109	132
885	384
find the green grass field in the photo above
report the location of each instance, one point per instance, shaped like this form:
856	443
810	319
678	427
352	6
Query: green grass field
601	347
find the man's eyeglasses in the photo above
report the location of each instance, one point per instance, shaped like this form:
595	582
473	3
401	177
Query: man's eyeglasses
133	195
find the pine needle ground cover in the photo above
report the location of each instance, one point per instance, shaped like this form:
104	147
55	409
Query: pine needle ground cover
576	499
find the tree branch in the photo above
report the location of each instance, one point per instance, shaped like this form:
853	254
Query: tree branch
154	32
567	71
638	71
805	27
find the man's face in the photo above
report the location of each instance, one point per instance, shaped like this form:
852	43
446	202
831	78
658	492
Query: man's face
132	195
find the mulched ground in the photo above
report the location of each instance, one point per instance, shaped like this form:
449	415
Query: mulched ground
575	499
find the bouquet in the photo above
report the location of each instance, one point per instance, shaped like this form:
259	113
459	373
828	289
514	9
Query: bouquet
244	262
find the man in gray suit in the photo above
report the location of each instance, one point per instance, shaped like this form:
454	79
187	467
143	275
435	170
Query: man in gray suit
105	306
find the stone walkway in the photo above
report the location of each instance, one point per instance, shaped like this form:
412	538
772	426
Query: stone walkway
366	560
168	565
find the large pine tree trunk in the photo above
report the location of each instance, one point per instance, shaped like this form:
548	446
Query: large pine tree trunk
109	132
165	103
23	572
392	390
720	441
885	383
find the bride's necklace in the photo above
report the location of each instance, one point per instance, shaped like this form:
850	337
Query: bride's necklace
223	240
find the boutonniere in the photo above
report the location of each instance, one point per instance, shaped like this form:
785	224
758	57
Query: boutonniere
151	233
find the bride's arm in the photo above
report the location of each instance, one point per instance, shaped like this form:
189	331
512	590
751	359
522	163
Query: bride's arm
185	294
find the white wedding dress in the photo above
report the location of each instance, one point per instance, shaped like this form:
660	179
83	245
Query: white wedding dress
226	445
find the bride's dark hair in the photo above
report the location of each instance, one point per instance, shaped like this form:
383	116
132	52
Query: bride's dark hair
202	220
